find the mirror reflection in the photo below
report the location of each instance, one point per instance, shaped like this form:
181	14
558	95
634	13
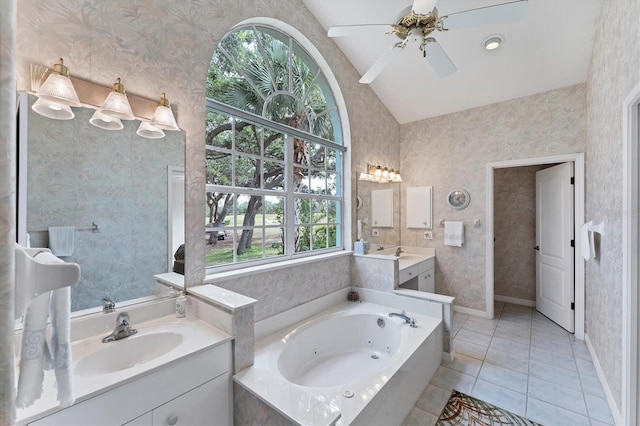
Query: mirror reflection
387	235
131	188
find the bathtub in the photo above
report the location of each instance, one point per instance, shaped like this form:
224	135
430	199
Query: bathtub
351	364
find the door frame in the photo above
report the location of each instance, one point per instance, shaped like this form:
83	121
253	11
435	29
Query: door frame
630	252
578	207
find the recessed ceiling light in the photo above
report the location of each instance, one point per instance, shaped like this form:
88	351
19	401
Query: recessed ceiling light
493	41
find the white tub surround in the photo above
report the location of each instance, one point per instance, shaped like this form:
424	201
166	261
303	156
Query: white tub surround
231	312
110	368
325	384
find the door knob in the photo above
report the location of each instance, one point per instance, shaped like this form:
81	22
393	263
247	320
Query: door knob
537	248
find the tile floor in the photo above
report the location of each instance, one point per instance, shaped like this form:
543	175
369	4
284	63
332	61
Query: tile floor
522	362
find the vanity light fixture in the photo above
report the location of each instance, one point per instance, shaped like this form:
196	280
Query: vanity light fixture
116	104
106	122
380	174
52	109
163	116
493	41
149	131
58	87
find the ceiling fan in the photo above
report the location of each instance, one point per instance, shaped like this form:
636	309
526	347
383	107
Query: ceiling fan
420	23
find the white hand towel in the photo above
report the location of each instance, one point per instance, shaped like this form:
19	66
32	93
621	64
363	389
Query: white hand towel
36	355
61	240
585	244
453	234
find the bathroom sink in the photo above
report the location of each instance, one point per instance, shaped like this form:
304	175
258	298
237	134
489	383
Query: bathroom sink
127	353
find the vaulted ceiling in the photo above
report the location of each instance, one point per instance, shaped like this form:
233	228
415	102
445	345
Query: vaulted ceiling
550	47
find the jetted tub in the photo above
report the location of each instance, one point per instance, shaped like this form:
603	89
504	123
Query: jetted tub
352	363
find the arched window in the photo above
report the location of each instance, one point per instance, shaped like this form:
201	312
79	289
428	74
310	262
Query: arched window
274	168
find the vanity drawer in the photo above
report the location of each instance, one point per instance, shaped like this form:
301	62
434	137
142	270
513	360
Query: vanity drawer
408	273
426	265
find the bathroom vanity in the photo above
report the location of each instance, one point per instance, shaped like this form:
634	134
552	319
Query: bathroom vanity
172	372
417	273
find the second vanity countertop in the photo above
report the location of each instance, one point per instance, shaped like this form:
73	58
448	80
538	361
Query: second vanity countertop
107	370
409	257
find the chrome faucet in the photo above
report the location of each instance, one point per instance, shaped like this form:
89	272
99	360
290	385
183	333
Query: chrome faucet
380	248
411	321
399	251
123	329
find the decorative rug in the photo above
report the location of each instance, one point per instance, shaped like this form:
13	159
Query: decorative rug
465	410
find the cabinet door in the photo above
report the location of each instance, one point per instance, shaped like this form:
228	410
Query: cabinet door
144	420
206	405
382	208
419	207
427	281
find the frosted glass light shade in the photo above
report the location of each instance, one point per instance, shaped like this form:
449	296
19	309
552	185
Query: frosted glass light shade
163	118
105	122
117	105
58	88
149	131
52	109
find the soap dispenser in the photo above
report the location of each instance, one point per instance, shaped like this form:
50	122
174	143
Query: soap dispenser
181	305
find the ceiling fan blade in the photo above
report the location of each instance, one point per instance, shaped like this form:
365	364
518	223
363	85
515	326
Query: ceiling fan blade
379	65
347	30
439	60
423	6
498	14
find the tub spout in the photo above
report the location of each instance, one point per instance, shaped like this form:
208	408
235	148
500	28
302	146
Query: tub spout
411	321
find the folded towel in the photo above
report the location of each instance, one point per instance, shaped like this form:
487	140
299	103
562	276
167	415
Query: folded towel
586	237
61	240
36	355
453	234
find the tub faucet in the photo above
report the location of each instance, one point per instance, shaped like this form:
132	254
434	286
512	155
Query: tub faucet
411	321
123	329
399	251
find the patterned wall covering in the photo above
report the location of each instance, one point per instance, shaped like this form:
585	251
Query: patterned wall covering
78	174
166	46
514	220
452	151
612	75
7	209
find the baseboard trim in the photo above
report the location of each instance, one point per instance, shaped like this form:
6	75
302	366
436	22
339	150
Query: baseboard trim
611	401
514	300
469	311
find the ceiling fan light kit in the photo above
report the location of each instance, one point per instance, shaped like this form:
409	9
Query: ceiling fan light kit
422	23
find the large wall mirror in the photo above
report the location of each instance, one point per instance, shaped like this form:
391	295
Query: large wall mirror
79	175
387	235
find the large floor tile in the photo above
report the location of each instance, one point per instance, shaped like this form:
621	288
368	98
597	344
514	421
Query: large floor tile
560	376
418	417
433	399
465	364
591	385
507	360
473	337
515	334
505	345
479	327
544	356
504	377
548	414
598	409
448	379
586	367
557	395
469	349
500	397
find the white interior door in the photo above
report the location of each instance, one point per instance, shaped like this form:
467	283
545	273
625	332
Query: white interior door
554	238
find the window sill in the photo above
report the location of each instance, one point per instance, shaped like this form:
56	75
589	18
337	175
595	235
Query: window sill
253	270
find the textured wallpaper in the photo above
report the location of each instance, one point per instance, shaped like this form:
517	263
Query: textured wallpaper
452	151
7	209
612	75
514	229
78	174
166	46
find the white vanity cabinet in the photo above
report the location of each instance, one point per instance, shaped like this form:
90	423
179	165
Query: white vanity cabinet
420	276
193	390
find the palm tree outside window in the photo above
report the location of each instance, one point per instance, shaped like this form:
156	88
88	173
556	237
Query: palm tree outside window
274	163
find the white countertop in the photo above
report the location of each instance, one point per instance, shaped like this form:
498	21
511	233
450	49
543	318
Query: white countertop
197	336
